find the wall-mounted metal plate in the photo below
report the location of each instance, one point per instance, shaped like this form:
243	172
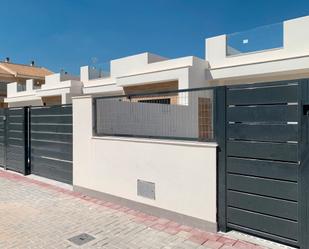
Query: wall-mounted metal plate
146	189
81	239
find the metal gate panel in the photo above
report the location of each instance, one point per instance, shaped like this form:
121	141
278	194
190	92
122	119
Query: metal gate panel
274	94
51	142
270	114
263	150
269	133
16	137
262	160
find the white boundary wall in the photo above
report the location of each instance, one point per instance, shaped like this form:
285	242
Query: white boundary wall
184	173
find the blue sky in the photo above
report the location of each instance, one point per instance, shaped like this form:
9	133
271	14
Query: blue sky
66	34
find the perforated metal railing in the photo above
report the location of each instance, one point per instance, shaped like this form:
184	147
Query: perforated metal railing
183	114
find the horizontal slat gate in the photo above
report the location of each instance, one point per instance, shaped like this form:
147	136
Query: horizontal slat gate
263	161
16	139
51	142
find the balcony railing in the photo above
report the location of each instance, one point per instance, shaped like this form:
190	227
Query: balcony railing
182	114
255	40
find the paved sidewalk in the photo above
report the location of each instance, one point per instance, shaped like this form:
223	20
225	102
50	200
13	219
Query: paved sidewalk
34	214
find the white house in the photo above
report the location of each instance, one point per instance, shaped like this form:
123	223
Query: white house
269	53
57	89
146	73
182	174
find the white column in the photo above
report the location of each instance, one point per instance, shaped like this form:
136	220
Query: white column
84	74
82	133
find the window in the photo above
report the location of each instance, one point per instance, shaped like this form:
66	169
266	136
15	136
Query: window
3	88
21	87
36	85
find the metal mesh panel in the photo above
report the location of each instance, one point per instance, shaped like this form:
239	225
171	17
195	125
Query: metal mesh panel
175	114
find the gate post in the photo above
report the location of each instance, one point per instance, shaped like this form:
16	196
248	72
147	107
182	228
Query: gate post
220	135
27	139
303	173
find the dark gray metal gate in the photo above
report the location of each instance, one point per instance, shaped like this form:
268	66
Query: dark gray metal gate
2	136
51	142
16	140
263	177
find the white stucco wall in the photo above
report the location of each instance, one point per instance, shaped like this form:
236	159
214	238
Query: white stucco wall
184	172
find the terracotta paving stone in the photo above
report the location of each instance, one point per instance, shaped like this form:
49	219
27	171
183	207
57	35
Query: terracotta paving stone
228	247
133	212
172	230
152	218
173	224
198	239
158	227
227	241
213	244
207	235
245	245
124	209
196	231
186	228
116	207
162	221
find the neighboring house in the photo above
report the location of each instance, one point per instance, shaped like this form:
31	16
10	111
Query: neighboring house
142	73
12	72
145	73
58	89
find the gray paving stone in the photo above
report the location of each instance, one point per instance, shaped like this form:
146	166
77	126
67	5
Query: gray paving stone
35	217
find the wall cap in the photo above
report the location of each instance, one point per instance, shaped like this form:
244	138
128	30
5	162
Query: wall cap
158	141
82	97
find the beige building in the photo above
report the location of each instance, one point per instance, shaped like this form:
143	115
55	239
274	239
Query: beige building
13	72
